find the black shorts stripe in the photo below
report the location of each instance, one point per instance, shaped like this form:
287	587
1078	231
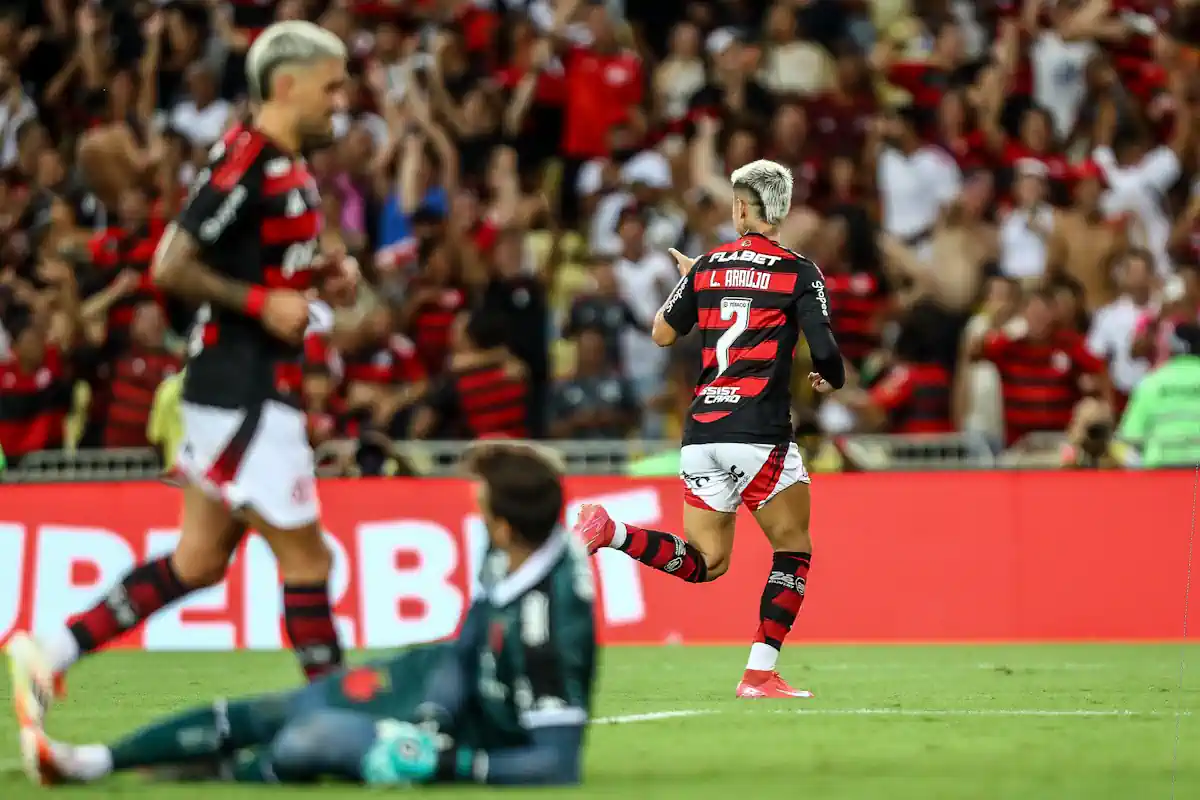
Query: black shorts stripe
225	468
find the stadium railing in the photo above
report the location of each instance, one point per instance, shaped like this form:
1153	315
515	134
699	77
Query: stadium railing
1041	449
937	451
871	452
63	466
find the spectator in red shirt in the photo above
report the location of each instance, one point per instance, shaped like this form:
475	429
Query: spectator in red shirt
36	389
604	85
1042	372
384	377
927	80
35	392
537	85
127	246
136	374
914	395
957	134
858	294
839	117
433	301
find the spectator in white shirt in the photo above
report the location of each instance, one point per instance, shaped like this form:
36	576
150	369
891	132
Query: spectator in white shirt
1139	177
15	109
978	404
203	116
642	180
644	277
1115	325
916	181
1026	229
681	74
792	65
1059	74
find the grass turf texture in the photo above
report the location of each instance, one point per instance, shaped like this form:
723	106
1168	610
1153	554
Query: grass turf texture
961	723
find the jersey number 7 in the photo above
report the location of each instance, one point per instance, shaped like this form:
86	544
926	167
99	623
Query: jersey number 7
736	309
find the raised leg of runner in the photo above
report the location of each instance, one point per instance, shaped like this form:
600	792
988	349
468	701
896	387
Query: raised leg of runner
208	536
710	532
304	564
700	557
784	520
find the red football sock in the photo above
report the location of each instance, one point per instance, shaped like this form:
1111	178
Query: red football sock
782	598
309	622
665	552
146	589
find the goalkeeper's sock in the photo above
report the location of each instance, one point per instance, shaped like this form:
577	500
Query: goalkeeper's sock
665	552
83	763
781	601
199	733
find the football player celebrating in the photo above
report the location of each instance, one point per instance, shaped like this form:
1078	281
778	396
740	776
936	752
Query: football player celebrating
751	300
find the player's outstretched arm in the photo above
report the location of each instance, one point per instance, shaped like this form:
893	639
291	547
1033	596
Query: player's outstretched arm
679	312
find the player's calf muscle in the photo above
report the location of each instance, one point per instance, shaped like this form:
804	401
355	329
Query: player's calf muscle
303	556
711	533
716	559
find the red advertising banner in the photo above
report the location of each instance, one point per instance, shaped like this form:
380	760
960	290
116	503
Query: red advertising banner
1004	556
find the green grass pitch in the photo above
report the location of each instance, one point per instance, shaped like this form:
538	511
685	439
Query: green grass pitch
891	723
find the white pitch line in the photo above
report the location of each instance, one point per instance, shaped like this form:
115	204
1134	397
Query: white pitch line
653	715
866	666
898	712
979	712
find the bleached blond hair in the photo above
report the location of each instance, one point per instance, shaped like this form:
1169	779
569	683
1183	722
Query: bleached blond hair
282	44
769	185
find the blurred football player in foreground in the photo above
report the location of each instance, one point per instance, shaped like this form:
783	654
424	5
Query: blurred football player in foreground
505	703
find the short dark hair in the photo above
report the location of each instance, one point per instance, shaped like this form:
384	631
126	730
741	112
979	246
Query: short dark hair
524	485
487	329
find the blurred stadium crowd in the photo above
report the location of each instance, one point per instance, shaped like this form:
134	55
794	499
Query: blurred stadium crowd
1001	195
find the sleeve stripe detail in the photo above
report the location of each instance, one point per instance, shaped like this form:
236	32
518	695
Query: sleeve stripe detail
244	153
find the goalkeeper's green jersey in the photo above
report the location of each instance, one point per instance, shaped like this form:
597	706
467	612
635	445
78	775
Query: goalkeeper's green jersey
1163	415
526	655
535	645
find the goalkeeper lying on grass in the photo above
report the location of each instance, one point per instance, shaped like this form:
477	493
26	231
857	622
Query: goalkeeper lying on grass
505	703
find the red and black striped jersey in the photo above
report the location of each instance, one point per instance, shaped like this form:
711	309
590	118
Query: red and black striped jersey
480	402
916	398
1039	380
751	300
392	362
255	213
114	250
859	303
